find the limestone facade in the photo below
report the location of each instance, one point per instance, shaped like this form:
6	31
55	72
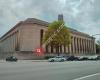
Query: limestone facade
23	39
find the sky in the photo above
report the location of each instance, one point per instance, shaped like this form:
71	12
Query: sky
83	15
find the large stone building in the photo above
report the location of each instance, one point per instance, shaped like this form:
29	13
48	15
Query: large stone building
23	39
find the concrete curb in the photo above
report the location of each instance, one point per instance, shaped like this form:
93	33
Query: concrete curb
2	61
34	60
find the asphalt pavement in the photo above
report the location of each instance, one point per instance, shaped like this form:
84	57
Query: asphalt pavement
43	70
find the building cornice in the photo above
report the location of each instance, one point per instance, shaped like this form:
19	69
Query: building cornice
44	23
18	24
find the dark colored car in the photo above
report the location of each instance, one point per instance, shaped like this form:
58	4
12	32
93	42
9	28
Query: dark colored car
11	58
72	58
84	58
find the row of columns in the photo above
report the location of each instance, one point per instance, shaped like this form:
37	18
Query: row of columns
82	46
10	44
78	46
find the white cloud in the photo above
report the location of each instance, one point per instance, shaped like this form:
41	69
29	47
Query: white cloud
83	15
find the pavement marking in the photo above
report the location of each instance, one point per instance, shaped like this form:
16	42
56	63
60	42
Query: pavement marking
84	77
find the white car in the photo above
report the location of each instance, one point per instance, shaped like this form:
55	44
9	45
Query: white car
57	59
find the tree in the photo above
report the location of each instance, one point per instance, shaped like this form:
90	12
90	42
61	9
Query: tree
98	42
62	38
98	46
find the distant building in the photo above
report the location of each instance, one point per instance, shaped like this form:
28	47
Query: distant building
23	39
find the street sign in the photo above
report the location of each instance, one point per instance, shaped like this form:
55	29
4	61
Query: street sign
39	51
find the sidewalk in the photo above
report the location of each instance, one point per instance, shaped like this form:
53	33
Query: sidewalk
34	60
1	61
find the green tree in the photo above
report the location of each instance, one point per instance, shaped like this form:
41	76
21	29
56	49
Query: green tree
62	38
98	46
98	42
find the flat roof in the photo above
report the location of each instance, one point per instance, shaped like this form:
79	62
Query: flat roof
41	22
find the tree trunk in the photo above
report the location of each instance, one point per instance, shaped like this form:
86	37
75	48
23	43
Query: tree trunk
64	49
58	50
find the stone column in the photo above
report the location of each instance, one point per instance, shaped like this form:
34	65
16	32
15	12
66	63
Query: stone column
54	50
94	46
18	39
79	46
73	46
66	49
46	48
6	45
87	46
81	50
69	49
10	43
76	46
84	46
62	48
90	47
49	49
14	42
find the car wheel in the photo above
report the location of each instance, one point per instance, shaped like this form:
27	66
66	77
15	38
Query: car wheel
62	60
52	60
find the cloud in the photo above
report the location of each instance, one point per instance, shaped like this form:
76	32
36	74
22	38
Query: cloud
82	15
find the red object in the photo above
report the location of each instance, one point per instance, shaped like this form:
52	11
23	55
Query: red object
39	51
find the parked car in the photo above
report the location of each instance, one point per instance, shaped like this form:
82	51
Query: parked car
98	57
72	58
91	58
84	58
57	59
11	58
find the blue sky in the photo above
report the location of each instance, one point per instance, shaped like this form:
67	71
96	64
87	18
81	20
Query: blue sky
83	15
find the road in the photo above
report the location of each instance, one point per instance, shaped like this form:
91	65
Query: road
30	70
